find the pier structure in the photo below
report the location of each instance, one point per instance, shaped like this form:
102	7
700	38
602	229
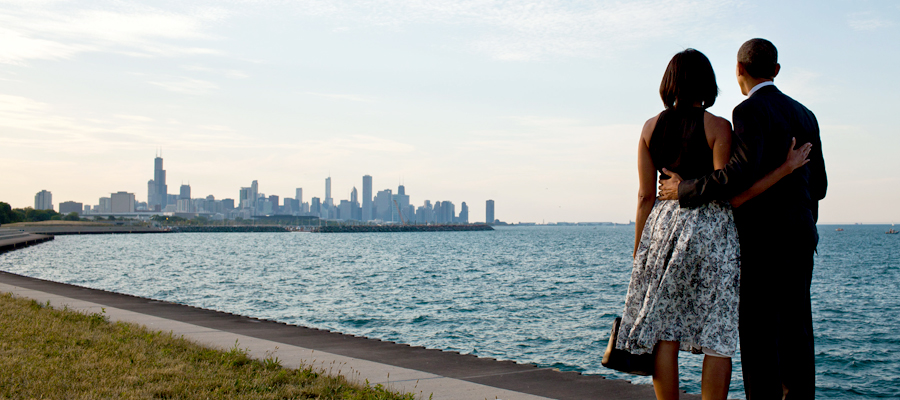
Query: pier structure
15	239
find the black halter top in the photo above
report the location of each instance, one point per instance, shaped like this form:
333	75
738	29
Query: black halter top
679	143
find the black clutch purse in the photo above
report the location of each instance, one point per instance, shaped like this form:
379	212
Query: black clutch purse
622	360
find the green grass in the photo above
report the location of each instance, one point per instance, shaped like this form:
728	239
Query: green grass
62	354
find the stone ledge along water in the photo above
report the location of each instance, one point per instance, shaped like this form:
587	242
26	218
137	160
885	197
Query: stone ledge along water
400	228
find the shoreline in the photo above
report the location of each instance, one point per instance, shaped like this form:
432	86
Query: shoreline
407	368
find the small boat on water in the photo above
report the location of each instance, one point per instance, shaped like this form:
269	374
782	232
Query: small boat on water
892	231
840	229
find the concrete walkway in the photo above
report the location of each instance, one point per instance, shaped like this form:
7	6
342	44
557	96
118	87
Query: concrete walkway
397	378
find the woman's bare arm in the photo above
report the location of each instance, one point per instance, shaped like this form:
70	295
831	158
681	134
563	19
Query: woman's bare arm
647	179
796	158
718	136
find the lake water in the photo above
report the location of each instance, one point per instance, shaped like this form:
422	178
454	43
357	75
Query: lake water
544	295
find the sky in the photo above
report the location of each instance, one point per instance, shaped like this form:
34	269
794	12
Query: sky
536	104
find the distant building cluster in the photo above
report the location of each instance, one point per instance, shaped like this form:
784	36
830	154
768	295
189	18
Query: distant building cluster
385	206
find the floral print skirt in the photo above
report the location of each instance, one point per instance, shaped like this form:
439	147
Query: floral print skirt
684	281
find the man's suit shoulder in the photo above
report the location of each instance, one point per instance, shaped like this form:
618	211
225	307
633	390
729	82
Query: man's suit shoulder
771	100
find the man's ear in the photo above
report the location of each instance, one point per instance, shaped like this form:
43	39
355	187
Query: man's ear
740	69
777	69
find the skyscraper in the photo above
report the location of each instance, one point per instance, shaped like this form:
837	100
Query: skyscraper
345	210
254	196
367	198
355	210
400	202
299	195
328	199
244	198
383	205
315	208
43	200
105	205
121	202
157	189
185	192
448	212
152	195
67	207
463	213
274	200
438	212
489	212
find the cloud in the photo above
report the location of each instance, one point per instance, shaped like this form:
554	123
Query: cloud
231	73
532	29
138	118
29	124
558	141
186	85
354	143
809	87
350	97
16	48
867	21
520	30
33	30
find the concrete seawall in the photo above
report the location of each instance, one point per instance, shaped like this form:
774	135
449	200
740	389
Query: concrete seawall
400	228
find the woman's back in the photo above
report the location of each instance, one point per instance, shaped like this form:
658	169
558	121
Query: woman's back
679	143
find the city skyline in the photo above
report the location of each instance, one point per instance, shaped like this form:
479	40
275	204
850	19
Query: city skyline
251	202
537	105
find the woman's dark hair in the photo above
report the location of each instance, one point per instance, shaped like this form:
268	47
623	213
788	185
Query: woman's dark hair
689	79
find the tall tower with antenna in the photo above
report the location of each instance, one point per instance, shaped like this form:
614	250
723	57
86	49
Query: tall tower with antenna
157	189
328	199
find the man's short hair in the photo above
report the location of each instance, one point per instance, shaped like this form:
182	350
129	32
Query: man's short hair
759	57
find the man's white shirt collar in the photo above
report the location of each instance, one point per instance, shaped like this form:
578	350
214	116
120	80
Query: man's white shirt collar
761	85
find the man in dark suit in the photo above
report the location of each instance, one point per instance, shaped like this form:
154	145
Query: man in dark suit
777	229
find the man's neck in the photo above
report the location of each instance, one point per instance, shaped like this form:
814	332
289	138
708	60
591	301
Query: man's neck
761	84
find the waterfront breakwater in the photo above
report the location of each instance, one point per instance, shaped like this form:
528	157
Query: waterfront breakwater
401	228
228	229
12	240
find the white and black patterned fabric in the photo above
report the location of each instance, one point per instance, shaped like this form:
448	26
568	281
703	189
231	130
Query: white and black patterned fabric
684	281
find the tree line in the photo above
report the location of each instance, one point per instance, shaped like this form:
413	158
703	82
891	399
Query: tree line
9	215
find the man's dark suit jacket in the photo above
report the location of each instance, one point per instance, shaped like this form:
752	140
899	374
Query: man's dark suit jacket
787	212
777	230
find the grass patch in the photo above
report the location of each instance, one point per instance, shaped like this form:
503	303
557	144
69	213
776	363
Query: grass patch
62	354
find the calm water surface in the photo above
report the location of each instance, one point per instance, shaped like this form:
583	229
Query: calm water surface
544	295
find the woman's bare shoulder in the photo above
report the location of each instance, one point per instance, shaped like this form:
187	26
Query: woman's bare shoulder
649	126
715	123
